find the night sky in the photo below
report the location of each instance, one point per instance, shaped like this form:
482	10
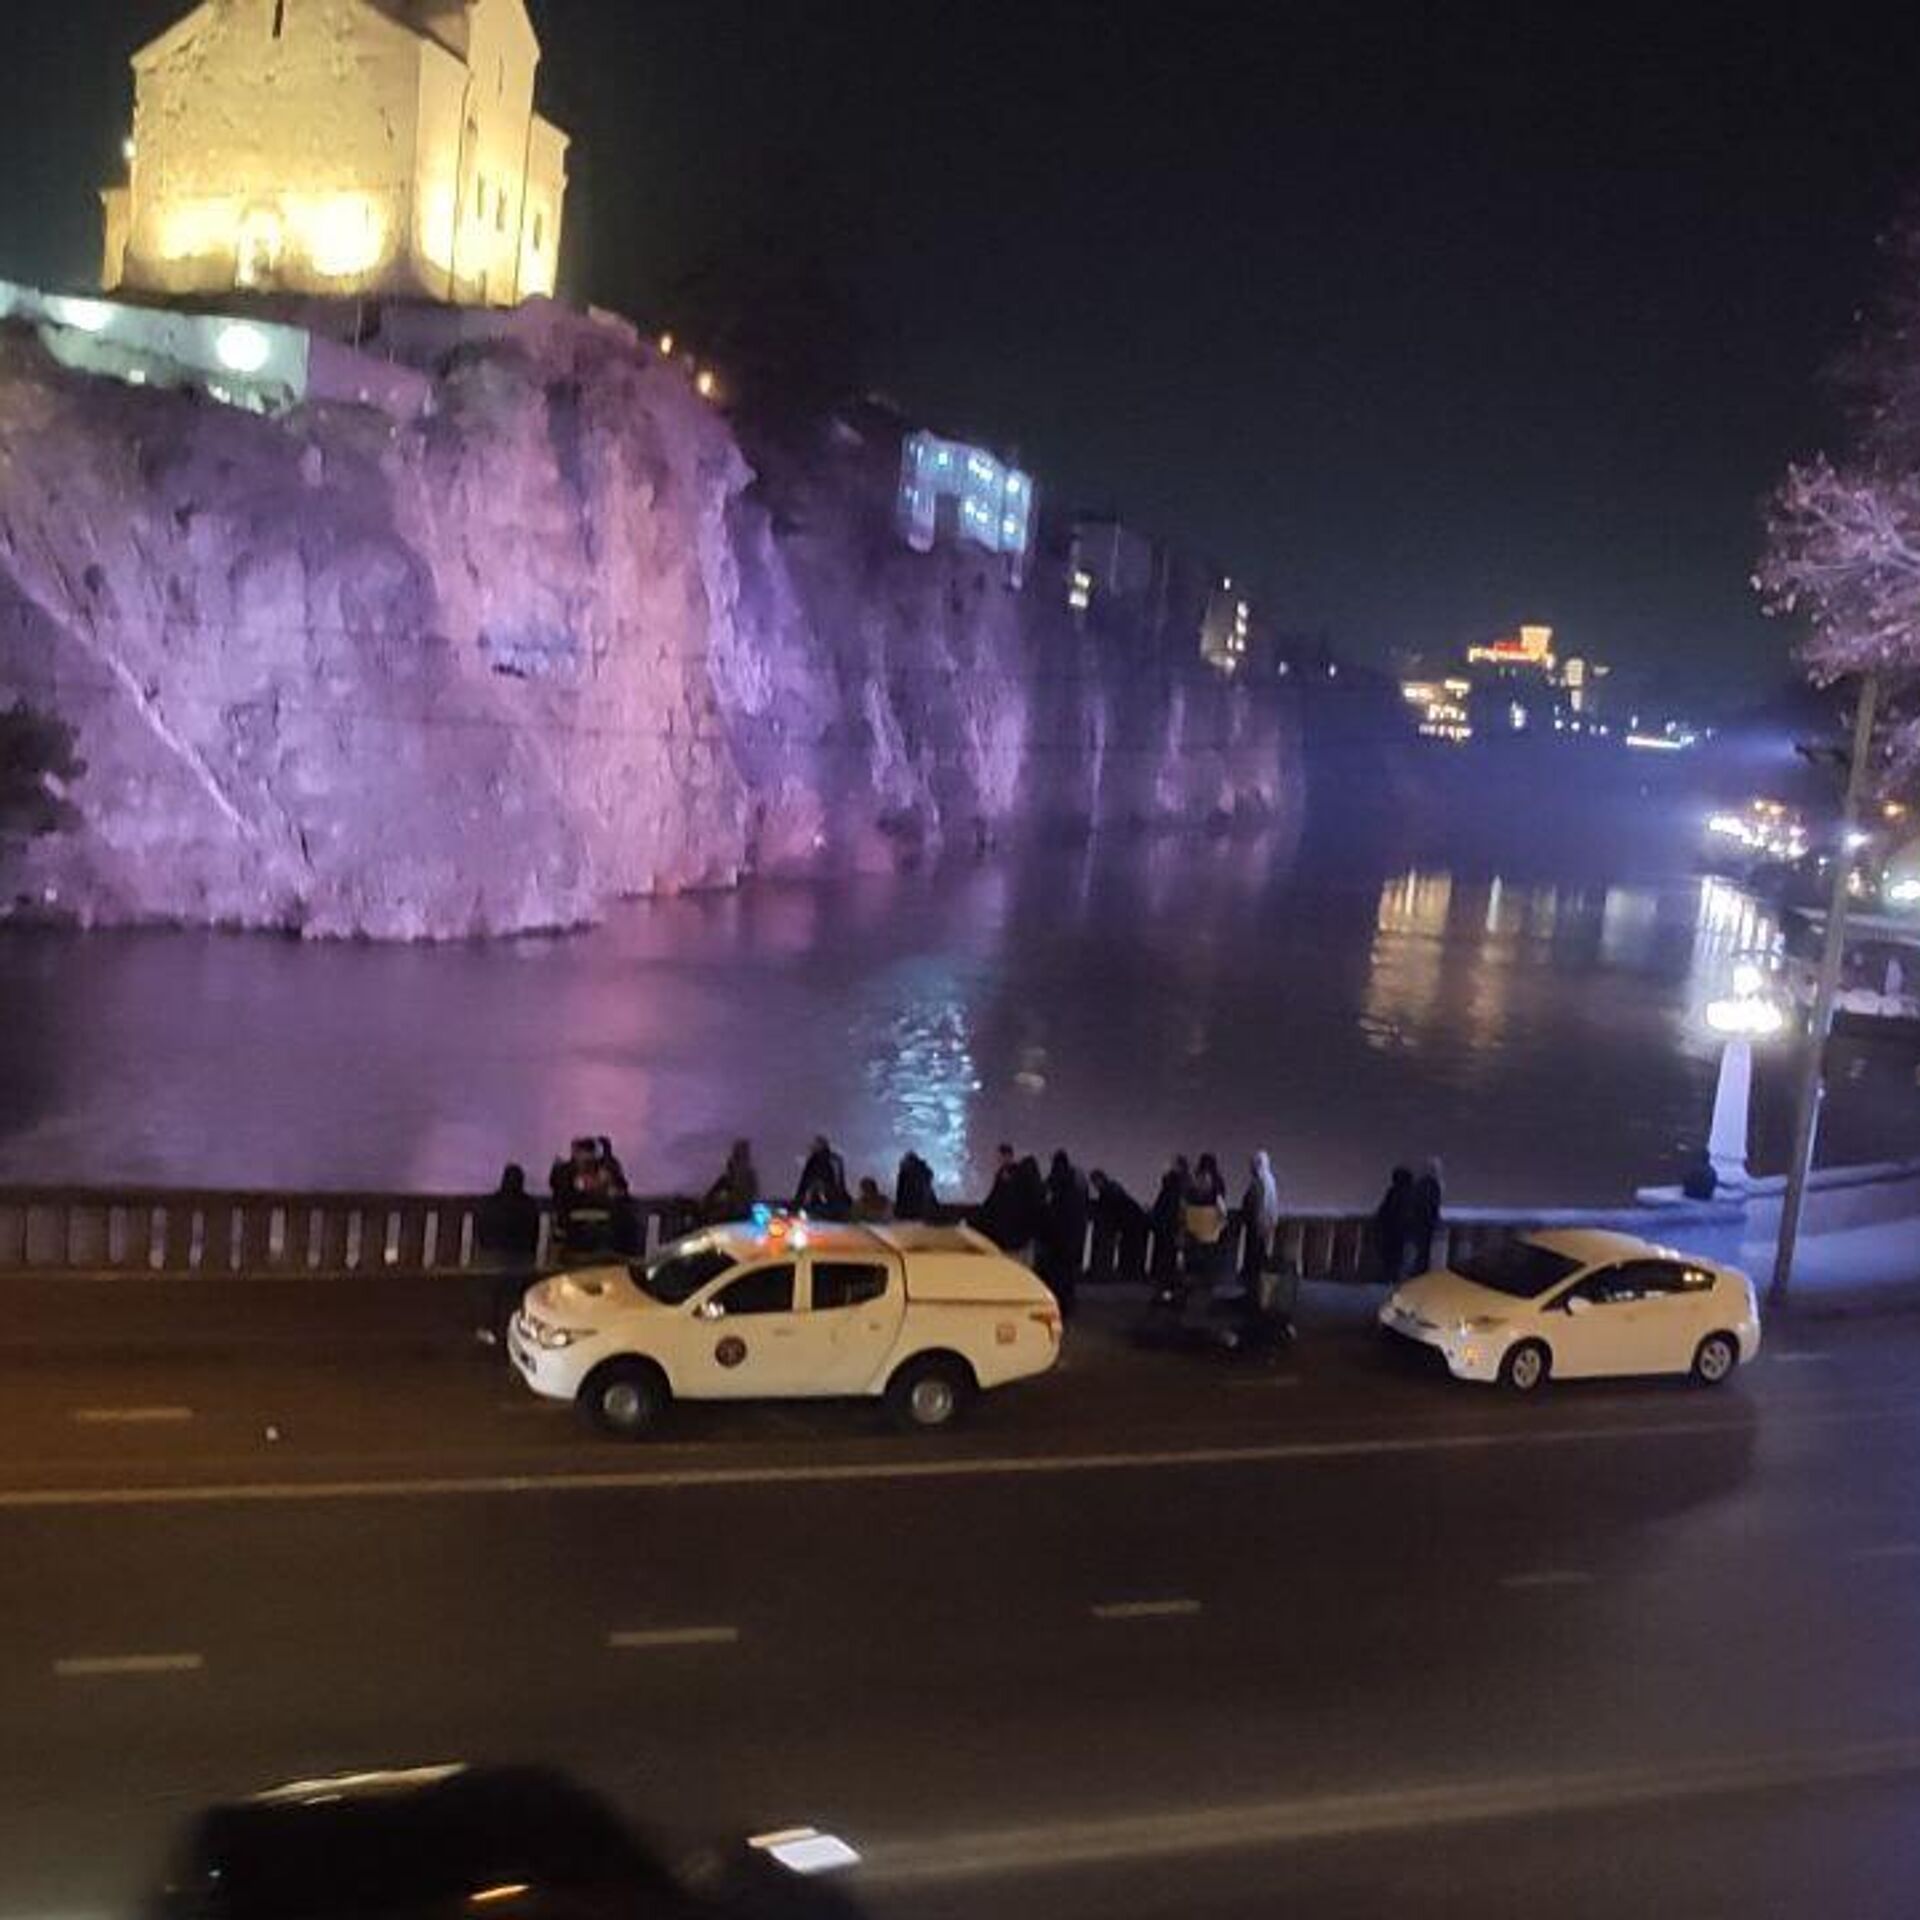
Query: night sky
1426	318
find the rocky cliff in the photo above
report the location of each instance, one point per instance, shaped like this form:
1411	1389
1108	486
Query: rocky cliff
555	642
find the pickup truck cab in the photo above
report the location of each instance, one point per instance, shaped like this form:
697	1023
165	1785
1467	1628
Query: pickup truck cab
784	1308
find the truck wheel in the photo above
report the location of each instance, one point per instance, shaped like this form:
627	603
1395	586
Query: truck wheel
626	1398
932	1392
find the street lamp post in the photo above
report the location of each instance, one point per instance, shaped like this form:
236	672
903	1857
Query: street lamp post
1807	1113
1746	1016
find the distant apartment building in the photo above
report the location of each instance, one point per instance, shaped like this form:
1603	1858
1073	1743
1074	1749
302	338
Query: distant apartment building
1226	628
953	492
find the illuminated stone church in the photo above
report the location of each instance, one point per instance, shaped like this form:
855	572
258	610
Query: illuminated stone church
340	147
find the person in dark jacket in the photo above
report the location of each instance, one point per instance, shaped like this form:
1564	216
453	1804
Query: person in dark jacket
823	1183
1002	1216
1393	1226
1429	1203
1031	1185
1169	1210
506	1243
737	1192
1063	1240
1119	1229
913	1195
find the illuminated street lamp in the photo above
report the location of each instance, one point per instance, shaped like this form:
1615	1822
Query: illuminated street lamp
1746	1015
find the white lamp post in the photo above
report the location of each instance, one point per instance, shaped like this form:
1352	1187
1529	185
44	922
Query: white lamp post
1746	1016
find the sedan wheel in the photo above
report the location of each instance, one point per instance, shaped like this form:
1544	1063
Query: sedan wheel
1716	1359
1525	1369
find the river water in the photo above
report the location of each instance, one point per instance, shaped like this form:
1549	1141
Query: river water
1540	1030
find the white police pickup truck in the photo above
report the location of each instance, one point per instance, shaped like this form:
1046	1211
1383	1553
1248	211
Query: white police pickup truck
784	1308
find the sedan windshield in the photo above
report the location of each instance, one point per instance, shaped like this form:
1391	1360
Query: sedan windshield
1521	1268
676	1274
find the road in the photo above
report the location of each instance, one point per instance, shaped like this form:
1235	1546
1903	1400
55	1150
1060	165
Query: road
1156	1636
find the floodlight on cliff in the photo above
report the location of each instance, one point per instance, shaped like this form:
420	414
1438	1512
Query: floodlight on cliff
241	348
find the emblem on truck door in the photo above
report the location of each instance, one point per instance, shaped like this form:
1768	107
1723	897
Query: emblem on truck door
731	1351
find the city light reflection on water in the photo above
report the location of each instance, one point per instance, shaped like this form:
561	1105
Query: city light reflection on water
1542	1031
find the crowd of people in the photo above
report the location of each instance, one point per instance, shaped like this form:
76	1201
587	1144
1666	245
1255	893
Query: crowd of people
1069	1225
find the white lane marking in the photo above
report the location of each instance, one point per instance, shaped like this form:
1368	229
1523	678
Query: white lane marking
113	1666
1411	1807
985	1467
1798	1356
648	1637
131	1416
1146	1610
1889	1550
1547	1577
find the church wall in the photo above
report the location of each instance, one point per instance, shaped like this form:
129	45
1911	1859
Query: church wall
274	159
474	145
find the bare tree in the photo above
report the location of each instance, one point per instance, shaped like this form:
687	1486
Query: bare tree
1843	536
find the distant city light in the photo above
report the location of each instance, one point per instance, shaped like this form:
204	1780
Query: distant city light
1659	742
666	345
705	383
1856	839
1080	590
1906	892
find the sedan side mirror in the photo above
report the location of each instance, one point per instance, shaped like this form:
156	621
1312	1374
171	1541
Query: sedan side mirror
711	1310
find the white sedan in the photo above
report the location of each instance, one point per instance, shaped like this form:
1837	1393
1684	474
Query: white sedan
1579	1305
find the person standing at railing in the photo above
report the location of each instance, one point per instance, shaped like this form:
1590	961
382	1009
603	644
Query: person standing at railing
1203	1225
1120	1229
913	1194
1063	1238
737	1192
506	1243
1393	1227
1429	1203
1260	1222
1169	1209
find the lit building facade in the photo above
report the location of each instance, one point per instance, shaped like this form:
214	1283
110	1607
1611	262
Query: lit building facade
966	494
1226	628
340	148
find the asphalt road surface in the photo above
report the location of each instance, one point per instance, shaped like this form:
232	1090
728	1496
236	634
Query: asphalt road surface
1157	1636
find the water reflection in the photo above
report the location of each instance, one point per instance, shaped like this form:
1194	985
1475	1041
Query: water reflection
1124	1000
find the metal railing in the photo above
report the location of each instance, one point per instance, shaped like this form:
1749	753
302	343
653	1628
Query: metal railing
229	1234
212	1234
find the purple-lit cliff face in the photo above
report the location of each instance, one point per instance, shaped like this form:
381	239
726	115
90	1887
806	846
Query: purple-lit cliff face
547	647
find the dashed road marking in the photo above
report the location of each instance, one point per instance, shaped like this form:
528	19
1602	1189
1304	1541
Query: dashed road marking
1800	1357
1547	1577
1146	1610
124	1665
131	1416
958	1467
1888	1550
645	1638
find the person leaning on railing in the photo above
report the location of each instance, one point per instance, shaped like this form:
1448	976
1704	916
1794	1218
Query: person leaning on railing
506	1246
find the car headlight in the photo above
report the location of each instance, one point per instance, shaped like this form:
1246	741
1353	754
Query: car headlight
553	1338
1483	1323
